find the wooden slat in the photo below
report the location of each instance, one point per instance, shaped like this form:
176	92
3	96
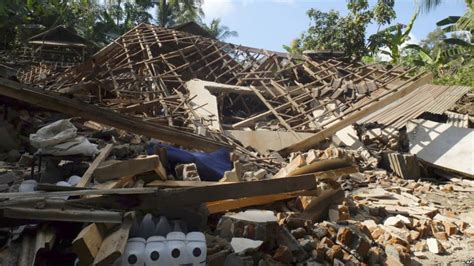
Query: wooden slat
87	176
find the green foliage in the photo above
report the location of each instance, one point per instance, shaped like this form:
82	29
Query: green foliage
219	31
331	31
95	20
461	74
392	38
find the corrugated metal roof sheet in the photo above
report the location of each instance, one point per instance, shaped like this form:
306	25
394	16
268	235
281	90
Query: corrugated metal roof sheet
431	98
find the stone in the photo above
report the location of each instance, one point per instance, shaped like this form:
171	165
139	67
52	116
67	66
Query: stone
354	240
420	246
404	219
469	232
13	156
260	174
230	176
8	138
393	221
26	160
450	228
8	178
283	255
285	238
252	224
187	172
434	246
333	215
441	235
375	256
320	232
335	252
240	244
299	232
397	255
377	233
414	235
420	255
307	244
370	224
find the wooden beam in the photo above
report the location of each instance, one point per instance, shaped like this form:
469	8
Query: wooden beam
76	108
171	198
226	205
113	245
87	176
118	169
87	244
354	117
181	183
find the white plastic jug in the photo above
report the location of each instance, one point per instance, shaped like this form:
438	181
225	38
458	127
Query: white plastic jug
177	248
147	226
156	251
134	253
28	185
196	247
163	227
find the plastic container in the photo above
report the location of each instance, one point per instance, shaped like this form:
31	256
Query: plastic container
74	180
28	185
156	251
196	248
163	227
177	248
134	253
147	226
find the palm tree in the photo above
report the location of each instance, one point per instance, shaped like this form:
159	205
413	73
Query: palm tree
170	12
218	31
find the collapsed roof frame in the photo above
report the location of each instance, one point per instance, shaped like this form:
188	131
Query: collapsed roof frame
151	65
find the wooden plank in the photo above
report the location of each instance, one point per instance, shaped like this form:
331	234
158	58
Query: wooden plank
114	244
73	107
181	183
226	205
117	169
355	116
171	198
87	176
87	244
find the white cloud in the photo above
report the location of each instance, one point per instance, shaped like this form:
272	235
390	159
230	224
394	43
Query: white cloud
217	8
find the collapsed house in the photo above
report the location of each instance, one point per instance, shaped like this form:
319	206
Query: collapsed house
191	130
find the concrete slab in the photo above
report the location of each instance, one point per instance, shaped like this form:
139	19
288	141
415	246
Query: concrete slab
264	141
442	146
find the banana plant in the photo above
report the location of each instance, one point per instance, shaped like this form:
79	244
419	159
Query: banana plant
392	38
434	62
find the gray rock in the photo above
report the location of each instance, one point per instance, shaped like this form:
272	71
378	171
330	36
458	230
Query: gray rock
13	156
299	232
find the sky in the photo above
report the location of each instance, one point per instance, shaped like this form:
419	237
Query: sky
269	24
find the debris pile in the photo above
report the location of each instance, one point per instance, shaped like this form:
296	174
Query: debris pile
167	147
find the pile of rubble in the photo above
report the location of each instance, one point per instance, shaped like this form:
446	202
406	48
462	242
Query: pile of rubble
171	148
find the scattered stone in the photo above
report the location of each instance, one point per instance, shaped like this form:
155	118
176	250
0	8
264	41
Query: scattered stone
393	221
370	224
434	246
441	235
26	160
8	178
469	232
353	240
335	252
298	232
260	174
404	219
420	246
187	172
13	156
283	255
240	244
